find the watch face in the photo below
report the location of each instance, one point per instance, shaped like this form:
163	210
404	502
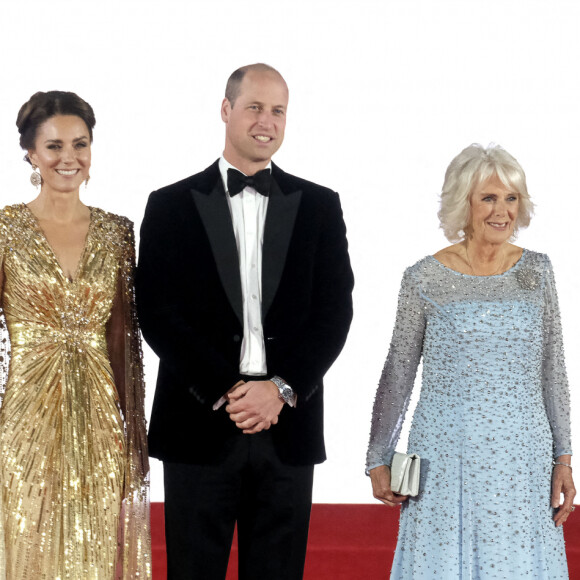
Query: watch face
285	392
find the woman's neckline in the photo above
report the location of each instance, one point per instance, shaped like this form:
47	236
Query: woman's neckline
510	269
36	223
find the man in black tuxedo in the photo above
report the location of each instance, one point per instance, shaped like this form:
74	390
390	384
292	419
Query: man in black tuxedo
244	292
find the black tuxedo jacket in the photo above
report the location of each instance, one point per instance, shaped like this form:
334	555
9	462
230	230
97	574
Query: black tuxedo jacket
190	308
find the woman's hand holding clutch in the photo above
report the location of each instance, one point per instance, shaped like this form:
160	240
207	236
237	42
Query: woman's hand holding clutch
381	481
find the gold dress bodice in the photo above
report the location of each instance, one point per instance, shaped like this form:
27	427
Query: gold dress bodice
72	440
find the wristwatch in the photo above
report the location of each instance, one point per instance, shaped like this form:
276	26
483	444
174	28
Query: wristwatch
285	392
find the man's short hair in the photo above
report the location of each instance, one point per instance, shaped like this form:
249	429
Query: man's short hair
236	78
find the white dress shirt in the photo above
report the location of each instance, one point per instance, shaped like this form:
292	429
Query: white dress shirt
248	210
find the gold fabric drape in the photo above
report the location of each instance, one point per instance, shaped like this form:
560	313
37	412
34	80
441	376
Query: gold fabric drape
74	470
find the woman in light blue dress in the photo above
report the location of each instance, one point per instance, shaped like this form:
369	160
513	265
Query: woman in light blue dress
492	425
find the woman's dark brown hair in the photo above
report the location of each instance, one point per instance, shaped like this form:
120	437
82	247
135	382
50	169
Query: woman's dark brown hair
42	106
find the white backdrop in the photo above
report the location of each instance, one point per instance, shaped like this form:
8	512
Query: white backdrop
382	95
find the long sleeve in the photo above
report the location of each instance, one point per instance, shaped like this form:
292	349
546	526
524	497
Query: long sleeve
305	361
554	378
127	362
4	338
398	376
164	287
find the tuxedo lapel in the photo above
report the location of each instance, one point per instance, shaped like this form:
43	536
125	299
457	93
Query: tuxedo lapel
215	215
280	218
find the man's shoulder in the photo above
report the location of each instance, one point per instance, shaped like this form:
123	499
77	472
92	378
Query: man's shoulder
203	181
288	182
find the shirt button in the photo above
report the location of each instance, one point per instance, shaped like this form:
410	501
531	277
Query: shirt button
236	338
256	328
254	297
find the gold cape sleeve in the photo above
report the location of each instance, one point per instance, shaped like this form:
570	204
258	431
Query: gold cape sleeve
134	527
4	365
4	338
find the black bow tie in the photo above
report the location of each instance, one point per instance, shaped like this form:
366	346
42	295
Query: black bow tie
260	181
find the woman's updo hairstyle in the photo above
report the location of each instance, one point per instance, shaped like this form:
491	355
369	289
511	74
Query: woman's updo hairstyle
42	106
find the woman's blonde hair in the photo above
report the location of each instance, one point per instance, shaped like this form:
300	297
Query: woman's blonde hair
473	166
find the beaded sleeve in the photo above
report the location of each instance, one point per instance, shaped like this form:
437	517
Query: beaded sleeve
4	364
4	339
554	379
398	376
135	527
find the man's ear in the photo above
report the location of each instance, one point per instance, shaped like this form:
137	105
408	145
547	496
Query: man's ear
226	110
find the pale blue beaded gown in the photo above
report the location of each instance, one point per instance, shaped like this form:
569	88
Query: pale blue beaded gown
493	413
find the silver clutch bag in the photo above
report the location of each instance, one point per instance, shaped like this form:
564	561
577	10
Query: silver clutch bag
405	471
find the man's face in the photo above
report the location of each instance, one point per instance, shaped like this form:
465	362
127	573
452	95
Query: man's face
255	123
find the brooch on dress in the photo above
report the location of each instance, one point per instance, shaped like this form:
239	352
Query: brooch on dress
527	278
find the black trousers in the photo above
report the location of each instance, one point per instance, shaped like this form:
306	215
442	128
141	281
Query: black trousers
270	502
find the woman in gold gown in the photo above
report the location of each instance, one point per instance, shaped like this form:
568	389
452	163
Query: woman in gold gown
73	457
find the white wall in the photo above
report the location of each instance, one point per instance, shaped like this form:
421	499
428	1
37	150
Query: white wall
382	95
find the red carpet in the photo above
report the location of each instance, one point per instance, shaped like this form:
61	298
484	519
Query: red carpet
348	542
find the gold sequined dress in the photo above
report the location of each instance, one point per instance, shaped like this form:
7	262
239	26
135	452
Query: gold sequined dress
73	459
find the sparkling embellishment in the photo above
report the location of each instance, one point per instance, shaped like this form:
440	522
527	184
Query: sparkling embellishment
35	177
494	411
73	469
527	278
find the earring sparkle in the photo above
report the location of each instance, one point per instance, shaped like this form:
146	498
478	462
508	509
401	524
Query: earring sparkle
35	177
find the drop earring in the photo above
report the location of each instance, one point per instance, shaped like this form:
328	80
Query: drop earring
35	177
87	181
